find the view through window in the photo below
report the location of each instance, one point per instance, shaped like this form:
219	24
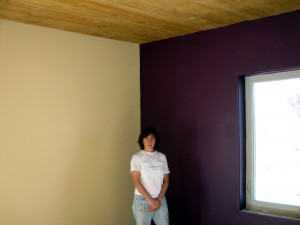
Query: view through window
273	141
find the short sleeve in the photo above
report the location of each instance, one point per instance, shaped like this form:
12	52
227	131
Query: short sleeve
166	168
135	164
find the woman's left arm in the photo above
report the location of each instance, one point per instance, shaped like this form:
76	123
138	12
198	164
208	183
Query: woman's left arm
164	187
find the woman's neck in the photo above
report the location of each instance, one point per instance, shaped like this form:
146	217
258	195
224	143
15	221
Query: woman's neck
149	150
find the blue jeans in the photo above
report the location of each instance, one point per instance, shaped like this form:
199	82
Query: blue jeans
140	208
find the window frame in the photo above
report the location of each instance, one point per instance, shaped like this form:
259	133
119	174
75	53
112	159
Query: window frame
249	203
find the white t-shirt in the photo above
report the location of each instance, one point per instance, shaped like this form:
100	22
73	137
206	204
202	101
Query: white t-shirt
152	166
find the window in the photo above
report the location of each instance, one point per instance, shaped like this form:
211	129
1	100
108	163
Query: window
273	143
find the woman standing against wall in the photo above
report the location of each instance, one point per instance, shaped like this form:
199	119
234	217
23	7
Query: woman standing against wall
150	175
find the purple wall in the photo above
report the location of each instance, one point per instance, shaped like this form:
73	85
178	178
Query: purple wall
189	91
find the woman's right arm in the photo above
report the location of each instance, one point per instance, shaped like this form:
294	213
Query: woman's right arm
154	203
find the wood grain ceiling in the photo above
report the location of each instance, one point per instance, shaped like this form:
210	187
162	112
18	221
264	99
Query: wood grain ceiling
140	21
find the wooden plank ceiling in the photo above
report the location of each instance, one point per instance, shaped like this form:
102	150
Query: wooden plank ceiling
140	21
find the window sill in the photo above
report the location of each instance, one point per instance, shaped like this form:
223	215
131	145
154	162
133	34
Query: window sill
270	214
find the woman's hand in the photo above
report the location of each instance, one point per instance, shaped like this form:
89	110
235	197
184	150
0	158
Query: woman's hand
154	205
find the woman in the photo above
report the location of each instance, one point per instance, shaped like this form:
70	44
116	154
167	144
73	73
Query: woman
150	175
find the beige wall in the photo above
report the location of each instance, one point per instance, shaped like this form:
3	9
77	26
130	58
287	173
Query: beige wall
69	120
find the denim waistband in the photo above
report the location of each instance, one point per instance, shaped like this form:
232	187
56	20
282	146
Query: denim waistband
140	197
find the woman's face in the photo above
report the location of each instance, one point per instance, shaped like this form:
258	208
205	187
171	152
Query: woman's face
149	143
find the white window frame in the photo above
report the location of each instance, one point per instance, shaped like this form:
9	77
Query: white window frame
251	203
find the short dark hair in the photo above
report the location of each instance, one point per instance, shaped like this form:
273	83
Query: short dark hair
145	133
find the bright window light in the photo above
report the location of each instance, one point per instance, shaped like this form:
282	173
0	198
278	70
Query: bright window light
273	143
